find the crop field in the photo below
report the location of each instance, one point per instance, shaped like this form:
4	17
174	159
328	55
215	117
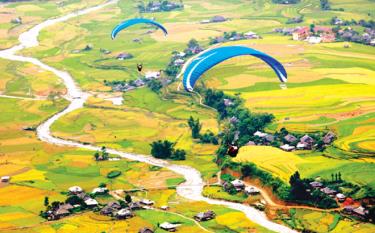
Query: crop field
329	87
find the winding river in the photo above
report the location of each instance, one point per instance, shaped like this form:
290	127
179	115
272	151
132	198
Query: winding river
190	189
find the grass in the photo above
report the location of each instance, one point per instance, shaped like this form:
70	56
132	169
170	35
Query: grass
217	192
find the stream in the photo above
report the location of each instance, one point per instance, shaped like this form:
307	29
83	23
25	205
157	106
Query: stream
190	189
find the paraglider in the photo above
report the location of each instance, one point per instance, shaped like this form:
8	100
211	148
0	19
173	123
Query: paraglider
135	21
139	67
212	57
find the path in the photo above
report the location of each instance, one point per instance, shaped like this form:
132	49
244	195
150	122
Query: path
193	186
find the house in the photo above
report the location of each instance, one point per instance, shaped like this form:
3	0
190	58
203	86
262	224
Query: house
91	202
228	102
250	143
123	56
139	83
205	216
152	75
329	137
205	21
196	49
135	206
348	209
218	19
260	134
114	205
340	197
251	190
290	138
124	214
233	120
287	147
314	39
179	62
328	38
301	33
100	190
180	54
238	184
360	212
329	191
251	35
75	190
316	184
147	202
348	202
5	179
60	212
308	141
83	196
164	207
269	138
169	226
145	230
108	211
136	40
301	146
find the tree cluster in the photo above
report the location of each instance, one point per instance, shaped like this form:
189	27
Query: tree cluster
165	150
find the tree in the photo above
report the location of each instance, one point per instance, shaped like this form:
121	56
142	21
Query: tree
105	154
102	185
155	85
312	28
96	155
162	149
335	176
340	176
332	176
193	43
298	187
179	155
46	201
128	198
195	127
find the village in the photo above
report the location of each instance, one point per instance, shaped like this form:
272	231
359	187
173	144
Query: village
123	208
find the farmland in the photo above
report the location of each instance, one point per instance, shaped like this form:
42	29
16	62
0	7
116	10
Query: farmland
329	87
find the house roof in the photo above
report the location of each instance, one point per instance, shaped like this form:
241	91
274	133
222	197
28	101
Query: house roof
91	202
328	190
290	138
260	134
145	230
75	189
316	184
307	139
251	189
167	225
237	183
124	212
340	196
360	210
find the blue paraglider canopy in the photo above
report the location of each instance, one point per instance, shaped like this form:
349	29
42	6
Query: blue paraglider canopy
212	57
135	21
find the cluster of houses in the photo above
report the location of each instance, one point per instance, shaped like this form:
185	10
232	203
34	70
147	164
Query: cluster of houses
249	190
314	35
292	142
234	36
158	6
349	205
215	19
124	86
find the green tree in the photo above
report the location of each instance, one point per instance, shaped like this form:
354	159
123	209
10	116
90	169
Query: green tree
179	155
128	198
162	149
195	127
96	155
46	201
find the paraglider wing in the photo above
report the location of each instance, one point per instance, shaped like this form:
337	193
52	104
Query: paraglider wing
135	21
211	58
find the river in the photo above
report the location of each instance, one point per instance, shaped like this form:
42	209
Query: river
190	189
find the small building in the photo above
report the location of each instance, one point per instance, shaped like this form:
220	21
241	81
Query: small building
75	190
124	56
205	216
301	33
205	21
180	54
108	211
228	102
124	214
60	212
301	146
290	138
145	230
329	191
147	202
179	62
308	141
152	75
114	205
251	190
135	206
360	212
340	197
100	190
314	39
5	179
164	207
348	209
287	147
260	134
250	143
251	35
169	226
238	184
91	202
139	83
218	19
316	184
269	138
329	137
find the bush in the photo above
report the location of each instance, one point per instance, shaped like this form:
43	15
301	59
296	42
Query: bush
113	174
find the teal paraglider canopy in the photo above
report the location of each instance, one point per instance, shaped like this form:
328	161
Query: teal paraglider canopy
135	21
211	58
